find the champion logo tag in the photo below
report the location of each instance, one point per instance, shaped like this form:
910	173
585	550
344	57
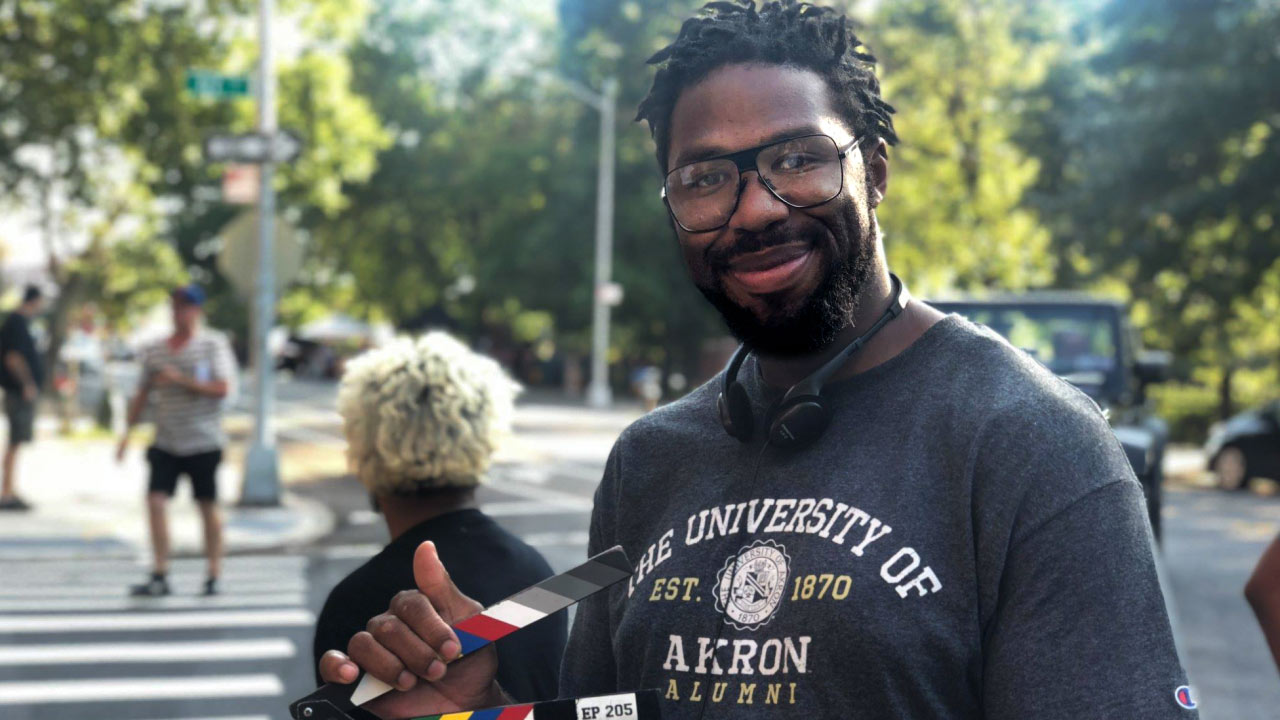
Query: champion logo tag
1185	697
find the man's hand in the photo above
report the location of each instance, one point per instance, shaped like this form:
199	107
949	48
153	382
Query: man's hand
168	375
30	392
410	645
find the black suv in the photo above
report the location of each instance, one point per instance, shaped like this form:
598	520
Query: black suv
1089	343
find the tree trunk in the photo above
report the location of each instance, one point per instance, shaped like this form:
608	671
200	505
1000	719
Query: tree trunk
1225	408
69	298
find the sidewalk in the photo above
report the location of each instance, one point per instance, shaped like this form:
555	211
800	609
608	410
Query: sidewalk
87	505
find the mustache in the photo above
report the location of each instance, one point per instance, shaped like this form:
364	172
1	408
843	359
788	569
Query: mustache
719	257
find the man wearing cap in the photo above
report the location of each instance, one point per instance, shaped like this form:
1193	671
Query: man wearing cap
184	380
422	420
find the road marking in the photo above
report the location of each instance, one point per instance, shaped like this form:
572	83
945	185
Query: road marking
233	563
236	717
154	621
133	689
544	495
556	538
351	552
363	517
120	578
148	652
98	603
517	508
229	718
101	587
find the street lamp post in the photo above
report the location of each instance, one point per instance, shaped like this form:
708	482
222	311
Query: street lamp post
605	293
261	471
598	392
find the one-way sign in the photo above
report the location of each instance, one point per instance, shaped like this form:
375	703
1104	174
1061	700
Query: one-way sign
252	147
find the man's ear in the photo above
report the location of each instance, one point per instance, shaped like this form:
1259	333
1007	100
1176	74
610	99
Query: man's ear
877	160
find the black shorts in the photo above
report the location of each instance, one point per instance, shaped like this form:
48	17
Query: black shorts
22	417
202	468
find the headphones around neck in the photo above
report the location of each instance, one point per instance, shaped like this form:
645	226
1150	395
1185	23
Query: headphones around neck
800	416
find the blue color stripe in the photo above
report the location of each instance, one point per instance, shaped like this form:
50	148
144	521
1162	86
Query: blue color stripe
486	714
470	643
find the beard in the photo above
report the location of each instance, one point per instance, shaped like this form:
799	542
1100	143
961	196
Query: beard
817	321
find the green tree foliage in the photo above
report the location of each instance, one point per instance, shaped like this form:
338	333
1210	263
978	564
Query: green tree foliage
963	74
94	91
482	213
1166	138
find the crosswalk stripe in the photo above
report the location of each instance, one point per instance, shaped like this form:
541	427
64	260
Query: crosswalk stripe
125	577
113	586
236	717
98	603
98	564
147	652
549	539
140	688
110	622
521	508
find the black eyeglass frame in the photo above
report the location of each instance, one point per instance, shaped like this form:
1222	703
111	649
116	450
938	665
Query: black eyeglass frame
747	161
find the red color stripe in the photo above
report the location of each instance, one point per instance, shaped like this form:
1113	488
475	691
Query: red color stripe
486	627
516	712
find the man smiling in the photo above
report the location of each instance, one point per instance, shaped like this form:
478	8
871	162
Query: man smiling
876	511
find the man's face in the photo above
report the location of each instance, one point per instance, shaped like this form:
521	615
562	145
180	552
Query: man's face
786	280
185	314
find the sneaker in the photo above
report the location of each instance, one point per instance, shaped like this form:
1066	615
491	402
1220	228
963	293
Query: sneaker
210	587
14	503
157	586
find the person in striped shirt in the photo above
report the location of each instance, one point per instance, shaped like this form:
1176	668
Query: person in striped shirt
185	378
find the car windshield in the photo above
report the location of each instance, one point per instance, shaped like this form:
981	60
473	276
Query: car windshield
1077	343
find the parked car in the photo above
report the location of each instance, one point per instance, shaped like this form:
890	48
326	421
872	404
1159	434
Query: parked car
1090	343
1245	446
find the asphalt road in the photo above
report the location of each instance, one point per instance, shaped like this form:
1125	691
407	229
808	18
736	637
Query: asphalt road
1212	541
72	645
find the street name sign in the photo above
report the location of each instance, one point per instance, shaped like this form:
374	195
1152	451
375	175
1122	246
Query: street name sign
206	83
252	147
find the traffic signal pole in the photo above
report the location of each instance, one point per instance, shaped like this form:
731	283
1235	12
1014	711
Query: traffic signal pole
261	471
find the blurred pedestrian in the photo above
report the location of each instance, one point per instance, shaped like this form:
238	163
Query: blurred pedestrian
422	420
184	380
1263	594
20	375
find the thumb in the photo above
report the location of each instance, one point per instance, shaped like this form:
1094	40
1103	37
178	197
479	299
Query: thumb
433	581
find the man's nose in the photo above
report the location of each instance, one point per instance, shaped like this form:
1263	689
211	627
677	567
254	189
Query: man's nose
758	207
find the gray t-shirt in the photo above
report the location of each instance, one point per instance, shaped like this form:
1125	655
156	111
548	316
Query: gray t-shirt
966	540
188	422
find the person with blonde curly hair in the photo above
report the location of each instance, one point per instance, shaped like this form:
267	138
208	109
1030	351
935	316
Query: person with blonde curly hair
422	418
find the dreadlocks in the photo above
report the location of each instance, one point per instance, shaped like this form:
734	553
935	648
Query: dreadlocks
783	32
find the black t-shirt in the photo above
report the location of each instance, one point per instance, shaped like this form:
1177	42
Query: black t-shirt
15	335
488	564
965	541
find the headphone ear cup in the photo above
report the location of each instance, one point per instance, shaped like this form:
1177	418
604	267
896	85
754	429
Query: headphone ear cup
735	412
798	423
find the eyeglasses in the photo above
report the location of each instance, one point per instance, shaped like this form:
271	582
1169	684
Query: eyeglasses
802	172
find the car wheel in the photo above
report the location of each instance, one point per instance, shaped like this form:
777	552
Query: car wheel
1231	469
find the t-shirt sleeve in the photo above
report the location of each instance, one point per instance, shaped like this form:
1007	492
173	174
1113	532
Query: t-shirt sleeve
589	667
224	363
1081	628
8	330
147	362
